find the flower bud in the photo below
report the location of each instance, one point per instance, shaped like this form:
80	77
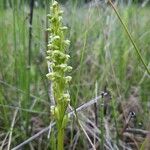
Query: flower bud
49	16
52	110
63	28
55	4
60	18
69	68
52	46
67	42
57	113
49	30
55	38
60	12
51	76
53	20
48	58
68	79
65	121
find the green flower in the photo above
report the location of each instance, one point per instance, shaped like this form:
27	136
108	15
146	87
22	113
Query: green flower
58	59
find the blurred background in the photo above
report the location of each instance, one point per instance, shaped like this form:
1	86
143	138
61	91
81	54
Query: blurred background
43	3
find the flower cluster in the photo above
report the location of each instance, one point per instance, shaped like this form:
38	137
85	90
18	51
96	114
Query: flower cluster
58	63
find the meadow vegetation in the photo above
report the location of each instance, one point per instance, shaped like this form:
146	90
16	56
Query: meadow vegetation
104	61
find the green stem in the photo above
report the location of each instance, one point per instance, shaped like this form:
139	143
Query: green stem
130	37
114	114
60	139
102	124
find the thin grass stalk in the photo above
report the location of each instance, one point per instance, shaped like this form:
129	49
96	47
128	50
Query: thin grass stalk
30	44
130	36
88	138
15	45
102	134
46	32
74	111
95	105
114	115
95	111
3	93
80	66
82	55
29	58
75	102
10	3
11	129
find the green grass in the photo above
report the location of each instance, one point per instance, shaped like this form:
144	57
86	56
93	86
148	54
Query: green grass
100	52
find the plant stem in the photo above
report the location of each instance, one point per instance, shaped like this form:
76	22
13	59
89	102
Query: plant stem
114	114
60	139
102	124
130	36
29	58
